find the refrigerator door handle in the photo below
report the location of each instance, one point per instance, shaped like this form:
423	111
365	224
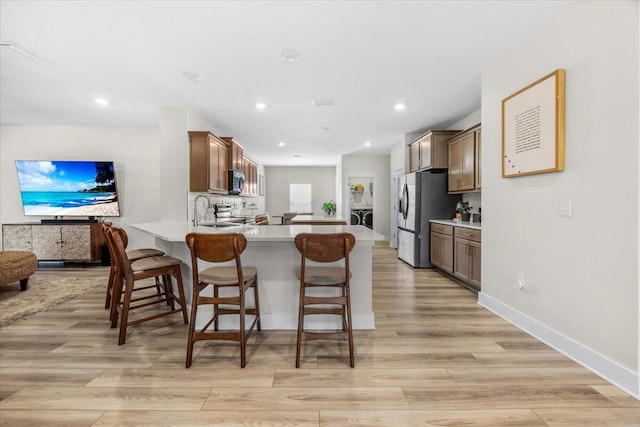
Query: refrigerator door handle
405	201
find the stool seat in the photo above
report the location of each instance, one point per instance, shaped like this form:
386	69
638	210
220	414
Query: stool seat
154	262
322	276
137	254
226	275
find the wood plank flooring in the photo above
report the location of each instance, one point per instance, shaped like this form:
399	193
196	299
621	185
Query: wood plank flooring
436	358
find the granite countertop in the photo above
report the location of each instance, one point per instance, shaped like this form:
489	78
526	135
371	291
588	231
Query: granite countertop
465	224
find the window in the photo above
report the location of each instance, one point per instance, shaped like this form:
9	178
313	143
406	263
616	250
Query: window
299	197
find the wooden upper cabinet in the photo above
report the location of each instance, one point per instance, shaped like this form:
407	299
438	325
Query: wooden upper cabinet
464	162
478	163
208	163
236	153
250	177
429	151
414	156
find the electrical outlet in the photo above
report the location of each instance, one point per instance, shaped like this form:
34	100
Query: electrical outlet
565	207
520	280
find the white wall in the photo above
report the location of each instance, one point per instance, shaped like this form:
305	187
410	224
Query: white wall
467	122
133	150
278	178
378	165
581	272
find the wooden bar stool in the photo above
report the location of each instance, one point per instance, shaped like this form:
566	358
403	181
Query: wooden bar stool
217	248
325	248
133	255
127	273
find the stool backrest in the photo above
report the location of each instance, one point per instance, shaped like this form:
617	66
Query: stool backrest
117	243
216	247
325	247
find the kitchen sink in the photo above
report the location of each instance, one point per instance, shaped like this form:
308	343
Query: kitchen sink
220	224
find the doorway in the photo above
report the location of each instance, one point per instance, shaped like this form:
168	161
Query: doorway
360	199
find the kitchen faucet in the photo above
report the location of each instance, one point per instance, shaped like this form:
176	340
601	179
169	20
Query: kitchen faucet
195	207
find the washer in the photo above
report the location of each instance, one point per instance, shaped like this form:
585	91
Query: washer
367	218
356	218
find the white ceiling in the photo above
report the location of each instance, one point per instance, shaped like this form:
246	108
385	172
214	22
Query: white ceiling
365	55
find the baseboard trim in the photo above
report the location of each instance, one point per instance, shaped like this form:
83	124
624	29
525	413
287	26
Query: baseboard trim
617	375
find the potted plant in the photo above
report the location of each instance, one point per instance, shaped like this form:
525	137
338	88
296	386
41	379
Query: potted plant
464	210
329	208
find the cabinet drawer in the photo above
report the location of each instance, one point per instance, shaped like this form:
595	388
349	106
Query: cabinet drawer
468	233
442	229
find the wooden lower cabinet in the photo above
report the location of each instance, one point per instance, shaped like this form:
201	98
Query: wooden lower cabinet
442	247
457	251
55	242
467	255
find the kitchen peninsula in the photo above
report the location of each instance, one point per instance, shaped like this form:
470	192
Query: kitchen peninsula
271	250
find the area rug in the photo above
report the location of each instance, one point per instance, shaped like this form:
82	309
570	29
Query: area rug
43	294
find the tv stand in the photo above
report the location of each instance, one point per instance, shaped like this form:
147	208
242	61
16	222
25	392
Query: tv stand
56	241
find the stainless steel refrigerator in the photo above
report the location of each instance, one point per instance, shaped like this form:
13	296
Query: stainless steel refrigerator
423	196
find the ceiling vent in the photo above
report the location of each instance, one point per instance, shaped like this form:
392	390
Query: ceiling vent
323	102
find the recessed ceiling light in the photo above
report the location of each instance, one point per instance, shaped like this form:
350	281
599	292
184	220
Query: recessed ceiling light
192	77
101	101
20	51
399	107
282	144
289	55
367	143
261	106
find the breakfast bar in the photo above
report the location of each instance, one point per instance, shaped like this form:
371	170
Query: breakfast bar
271	250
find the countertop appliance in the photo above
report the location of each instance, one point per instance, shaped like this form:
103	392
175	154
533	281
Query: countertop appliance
423	197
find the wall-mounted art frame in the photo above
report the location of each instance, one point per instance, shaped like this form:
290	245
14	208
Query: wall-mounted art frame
260	185
533	128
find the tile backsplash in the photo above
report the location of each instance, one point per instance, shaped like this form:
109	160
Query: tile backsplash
237	203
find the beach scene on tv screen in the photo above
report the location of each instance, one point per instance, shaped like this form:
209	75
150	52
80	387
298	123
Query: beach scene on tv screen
64	188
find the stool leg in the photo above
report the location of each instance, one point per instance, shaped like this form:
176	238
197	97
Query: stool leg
125	312
192	323
110	284
243	332
182	300
24	284
215	308
350	330
257	299
300	323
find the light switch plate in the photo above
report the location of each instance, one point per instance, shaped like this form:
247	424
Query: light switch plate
565	207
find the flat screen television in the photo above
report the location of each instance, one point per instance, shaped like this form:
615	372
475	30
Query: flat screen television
68	188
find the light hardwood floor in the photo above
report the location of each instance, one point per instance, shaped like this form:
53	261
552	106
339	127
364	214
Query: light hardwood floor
435	358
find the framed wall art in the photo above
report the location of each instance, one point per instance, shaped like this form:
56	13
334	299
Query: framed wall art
533	128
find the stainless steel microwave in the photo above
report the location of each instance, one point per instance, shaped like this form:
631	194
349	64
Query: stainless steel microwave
236	181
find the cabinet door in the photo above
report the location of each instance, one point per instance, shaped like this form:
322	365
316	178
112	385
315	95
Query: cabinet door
478	176
414	156
16	238
468	162
223	167
455	165
436	255
214	165
461	258
475	249
75	242
47	242
425	152
446	253
238	153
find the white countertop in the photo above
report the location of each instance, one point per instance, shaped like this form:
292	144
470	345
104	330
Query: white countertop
175	231
465	224
315	218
